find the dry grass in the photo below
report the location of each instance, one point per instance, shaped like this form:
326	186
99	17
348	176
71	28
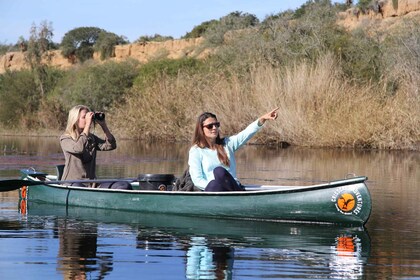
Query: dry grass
317	108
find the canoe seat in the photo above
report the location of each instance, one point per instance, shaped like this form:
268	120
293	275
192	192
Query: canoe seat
59	168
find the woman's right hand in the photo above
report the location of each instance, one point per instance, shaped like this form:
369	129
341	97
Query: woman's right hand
88	122
272	115
89	117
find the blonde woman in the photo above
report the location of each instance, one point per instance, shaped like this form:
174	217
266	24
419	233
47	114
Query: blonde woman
79	145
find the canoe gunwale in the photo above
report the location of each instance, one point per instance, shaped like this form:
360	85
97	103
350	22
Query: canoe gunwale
251	192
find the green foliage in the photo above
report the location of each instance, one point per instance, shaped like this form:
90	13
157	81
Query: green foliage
79	42
284	39
39	44
4	48
361	57
402	62
307	7
154	38
21	45
395	4
97	86
200	30
305	35
153	70
234	21
106	42
18	98
364	4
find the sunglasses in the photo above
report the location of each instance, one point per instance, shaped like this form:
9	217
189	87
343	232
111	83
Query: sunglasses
212	125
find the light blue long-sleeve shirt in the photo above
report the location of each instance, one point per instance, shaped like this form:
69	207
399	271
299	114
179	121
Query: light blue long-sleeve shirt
202	161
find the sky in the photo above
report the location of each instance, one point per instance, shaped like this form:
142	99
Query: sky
129	18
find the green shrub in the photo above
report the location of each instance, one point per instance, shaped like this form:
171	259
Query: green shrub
106	42
401	62
361	57
18	97
200	30
364	4
154	38
215	33
283	39
305	35
149	72
97	86
5	48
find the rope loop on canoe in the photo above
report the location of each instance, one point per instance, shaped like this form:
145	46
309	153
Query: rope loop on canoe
350	175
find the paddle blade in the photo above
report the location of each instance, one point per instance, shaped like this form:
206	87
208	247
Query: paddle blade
14	184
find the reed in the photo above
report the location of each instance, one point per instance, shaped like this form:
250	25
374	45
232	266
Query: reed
318	107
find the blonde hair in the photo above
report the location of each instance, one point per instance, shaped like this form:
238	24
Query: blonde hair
72	128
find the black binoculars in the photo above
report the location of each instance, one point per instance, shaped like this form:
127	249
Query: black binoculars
99	116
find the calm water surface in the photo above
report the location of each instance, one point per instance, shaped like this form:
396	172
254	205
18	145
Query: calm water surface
50	242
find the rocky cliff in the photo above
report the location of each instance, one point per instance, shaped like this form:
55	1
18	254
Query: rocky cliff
382	13
142	52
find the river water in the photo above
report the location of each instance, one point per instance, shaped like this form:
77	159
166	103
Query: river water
49	242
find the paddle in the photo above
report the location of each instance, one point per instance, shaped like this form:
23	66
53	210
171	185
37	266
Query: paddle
15	184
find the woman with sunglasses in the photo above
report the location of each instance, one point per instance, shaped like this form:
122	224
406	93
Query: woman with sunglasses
211	161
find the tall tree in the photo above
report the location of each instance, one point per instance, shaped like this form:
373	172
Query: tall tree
40	41
78	43
106	42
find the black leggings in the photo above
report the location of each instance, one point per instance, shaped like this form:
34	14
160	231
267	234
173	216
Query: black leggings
223	181
122	185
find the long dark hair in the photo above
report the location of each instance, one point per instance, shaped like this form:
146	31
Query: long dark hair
200	140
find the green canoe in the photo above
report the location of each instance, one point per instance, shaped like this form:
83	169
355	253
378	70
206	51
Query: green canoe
345	201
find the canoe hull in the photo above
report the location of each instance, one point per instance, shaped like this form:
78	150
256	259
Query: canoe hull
345	201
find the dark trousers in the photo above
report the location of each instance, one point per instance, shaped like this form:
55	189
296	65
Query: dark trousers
122	185
223	181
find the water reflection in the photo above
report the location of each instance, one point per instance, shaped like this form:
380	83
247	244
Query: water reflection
346	258
394	226
211	247
78	257
205	261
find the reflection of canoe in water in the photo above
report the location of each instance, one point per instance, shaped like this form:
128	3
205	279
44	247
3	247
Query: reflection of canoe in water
345	201
333	251
353	241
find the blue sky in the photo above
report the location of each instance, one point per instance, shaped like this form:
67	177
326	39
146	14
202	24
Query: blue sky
131	18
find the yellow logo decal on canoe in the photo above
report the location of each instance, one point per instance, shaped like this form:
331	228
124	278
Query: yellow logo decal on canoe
346	202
